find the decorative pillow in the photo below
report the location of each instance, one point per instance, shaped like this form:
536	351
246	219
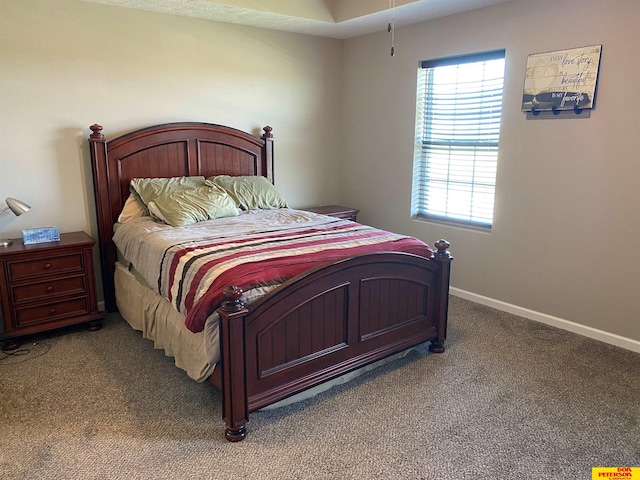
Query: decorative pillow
148	189
250	192
132	209
185	207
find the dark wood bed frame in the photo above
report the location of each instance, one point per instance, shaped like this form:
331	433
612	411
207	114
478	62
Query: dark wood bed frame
316	326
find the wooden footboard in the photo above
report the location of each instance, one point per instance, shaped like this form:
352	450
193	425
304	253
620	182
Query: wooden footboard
326	322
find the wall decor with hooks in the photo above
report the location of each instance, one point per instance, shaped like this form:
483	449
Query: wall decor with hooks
561	83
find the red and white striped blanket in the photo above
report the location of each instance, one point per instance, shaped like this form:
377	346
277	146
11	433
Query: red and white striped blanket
194	273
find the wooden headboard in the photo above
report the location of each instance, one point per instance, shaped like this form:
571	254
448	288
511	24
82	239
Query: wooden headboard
168	150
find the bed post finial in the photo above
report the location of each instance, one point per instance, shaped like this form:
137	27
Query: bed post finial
232	299
97	132
267	132
441	249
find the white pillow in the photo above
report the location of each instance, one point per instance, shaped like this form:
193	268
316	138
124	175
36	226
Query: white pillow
132	209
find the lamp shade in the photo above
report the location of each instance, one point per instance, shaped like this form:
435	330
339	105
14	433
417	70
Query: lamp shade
17	207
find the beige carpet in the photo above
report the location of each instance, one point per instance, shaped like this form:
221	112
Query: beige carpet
509	399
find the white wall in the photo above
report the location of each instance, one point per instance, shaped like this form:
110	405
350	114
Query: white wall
65	65
567	226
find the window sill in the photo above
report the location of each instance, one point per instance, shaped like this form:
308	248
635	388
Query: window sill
453	223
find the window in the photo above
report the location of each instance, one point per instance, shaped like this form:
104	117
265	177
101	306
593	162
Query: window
459	104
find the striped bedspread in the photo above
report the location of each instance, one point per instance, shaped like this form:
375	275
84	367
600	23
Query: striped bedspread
195	264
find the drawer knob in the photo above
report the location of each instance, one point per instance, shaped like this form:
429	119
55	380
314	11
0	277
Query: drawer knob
49	288
47	266
52	311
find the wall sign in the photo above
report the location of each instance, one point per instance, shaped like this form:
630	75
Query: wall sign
561	80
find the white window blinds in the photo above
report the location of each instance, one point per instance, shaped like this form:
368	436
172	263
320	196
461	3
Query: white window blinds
459	104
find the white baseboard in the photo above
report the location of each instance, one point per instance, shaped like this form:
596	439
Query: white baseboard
611	338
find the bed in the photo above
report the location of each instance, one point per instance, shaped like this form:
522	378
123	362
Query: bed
319	325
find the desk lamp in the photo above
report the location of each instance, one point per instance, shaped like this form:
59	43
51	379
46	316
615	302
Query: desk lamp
18	208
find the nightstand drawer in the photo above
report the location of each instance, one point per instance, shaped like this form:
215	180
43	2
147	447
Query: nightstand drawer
48	289
51	311
45	266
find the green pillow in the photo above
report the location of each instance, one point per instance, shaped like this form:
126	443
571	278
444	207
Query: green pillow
148	189
185	207
250	192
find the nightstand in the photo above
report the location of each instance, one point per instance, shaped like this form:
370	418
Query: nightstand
335	211
44	286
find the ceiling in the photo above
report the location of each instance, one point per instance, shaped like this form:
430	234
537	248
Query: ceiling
328	18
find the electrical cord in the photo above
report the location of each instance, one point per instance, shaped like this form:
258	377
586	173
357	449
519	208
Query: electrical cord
11	355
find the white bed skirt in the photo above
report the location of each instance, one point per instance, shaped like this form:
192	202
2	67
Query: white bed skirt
195	353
